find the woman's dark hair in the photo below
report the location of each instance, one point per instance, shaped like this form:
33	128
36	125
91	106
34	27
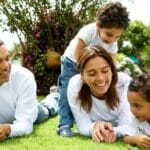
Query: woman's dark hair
112	15
84	96
141	84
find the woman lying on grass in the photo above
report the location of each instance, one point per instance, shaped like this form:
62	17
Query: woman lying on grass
98	96
138	132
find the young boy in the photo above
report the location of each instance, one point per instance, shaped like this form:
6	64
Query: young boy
138	132
112	20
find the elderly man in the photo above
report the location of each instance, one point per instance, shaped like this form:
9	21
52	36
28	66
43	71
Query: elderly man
19	108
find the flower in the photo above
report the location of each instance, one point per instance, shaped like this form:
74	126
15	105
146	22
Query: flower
127	65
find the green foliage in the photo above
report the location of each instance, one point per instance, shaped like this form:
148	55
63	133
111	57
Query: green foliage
145	56
16	51
136	42
126	65
137	35
42	24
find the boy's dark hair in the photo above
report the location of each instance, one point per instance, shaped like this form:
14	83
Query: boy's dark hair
84	97
112	15
141	84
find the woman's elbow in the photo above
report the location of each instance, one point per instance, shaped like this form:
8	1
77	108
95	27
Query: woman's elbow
29	131
26	131
84	131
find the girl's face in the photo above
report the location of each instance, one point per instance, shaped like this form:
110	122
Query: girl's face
139	106
97	75
110	35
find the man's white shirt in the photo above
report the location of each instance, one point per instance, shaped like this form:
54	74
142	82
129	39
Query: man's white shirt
18	104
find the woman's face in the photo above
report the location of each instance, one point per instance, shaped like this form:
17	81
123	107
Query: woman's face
97	75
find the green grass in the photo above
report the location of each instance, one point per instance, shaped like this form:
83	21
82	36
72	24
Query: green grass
44	137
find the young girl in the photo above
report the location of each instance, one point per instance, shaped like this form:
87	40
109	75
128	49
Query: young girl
138	132
99	106
112	19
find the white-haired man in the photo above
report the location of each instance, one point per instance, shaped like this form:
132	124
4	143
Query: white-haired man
19	108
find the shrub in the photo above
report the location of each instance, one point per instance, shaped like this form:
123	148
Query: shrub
125	64
42	24
136	42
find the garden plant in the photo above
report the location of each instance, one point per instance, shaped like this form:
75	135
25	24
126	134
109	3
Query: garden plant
42	26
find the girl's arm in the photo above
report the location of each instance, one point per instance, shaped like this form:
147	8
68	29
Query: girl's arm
79	46
113	57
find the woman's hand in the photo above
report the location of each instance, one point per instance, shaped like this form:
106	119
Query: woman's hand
111	137
103	131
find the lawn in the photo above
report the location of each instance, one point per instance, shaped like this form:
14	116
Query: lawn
44	137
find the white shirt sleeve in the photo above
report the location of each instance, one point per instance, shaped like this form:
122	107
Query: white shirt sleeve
82	118
124	116
26	108
86	33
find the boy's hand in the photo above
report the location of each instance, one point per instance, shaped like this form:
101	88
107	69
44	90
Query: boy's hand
142	141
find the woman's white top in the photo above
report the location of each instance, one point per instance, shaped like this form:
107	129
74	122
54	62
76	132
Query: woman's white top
18	104
119	117
90	36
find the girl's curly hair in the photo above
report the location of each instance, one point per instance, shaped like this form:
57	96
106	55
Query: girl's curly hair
112	15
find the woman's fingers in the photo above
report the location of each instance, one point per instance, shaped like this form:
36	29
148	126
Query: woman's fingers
109	126
97	136
111	138
105	128
103	131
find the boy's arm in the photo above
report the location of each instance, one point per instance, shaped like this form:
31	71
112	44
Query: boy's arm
130	139
141	140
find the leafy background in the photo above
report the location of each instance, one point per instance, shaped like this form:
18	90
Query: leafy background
42	25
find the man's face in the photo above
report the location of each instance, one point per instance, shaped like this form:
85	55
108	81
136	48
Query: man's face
5	65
